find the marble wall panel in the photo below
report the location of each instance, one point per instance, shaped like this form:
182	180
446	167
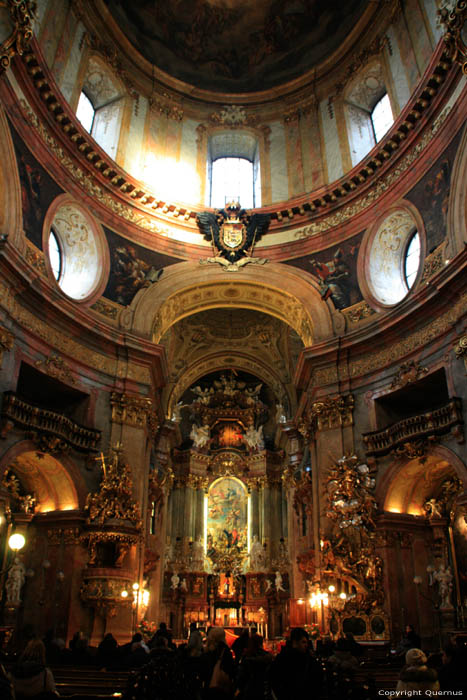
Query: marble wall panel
332	149
278	155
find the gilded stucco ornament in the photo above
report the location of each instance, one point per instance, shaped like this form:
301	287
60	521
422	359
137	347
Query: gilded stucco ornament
441	505
326	414
6	342
408	372
22	14
114	500
55	366
104	594
460	349
455	22
233	234
133	410
352	508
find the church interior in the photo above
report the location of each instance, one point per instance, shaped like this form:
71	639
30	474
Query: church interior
235	397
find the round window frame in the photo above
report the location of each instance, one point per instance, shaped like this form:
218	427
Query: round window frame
100	241
363	263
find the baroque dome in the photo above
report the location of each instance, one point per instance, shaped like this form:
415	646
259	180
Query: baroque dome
236	45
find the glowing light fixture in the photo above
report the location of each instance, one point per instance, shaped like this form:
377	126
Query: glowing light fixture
16	542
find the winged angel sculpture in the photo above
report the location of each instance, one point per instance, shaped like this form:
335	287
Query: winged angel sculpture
233	234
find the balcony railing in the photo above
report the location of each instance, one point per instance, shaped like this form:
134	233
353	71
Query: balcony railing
430	424
47	425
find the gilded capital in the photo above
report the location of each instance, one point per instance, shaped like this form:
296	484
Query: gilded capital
136	411
6	342
460	349
327	414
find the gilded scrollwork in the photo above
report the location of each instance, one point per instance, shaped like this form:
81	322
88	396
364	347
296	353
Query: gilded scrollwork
456	34
408	372
22	15
358	312
352	508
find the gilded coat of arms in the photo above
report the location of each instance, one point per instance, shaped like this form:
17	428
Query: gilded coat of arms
233	234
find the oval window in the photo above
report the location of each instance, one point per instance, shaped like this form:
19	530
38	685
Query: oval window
394	257
76	252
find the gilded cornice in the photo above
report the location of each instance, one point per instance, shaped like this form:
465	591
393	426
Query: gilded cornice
424	336
64	343
136	411
120	185
22	13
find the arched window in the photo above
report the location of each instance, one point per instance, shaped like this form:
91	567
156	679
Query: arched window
381	117
86	112
233	179
367	111
101	104
55	255
412	259
233	169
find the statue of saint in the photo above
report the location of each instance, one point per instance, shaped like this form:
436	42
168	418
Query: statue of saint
278	582
443	577
200	435
15	581
175	580
254	438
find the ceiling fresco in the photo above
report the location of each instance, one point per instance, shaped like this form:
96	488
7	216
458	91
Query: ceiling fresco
236	45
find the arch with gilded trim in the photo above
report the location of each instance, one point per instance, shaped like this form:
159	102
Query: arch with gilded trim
287	293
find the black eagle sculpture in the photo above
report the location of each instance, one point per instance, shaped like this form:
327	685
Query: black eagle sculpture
232	232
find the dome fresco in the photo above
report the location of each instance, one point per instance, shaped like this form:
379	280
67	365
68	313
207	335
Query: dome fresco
236	45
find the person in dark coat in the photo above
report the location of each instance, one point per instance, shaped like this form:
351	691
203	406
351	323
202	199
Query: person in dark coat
240	644
295	673
452	675
253	670
217	661
410	640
